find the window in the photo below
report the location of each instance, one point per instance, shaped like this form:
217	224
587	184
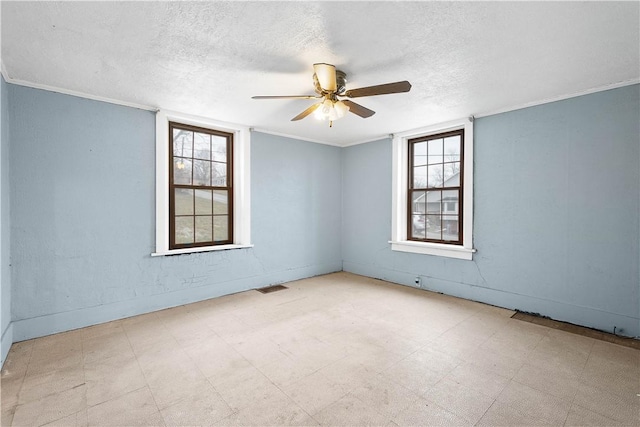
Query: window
433	190
202	185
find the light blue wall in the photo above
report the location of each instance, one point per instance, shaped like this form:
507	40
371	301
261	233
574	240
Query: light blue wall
557	223
557	202
5	274
83	214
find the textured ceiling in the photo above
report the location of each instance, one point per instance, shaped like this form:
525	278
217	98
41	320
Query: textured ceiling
209	58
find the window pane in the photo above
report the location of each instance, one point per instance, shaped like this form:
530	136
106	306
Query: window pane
435	178
450	228
435	151
181	171
420	153
201	172
219	175
184	229
219	148
434	228
220	202
452	149
183	201
420	177
450	201
204	204
450	171
204	231
418	201
434	205
220	227
182	143
202	146
419	226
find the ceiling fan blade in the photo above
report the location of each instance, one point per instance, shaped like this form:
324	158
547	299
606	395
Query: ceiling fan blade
306	112
326	74
384	89
358	109
287	97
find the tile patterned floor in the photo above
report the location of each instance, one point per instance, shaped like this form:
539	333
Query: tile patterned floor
332	350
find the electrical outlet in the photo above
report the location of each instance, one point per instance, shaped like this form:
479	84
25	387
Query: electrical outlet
418	281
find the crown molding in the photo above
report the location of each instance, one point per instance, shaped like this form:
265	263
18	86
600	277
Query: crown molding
77	93
285	135
543	101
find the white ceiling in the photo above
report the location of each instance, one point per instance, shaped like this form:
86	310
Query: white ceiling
209	58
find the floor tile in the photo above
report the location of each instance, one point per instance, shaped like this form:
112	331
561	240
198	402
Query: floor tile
385	396
79	419
579	416
565	354
106	346
10	387
414	375
217	359
503	414
51	407
486	382
350	411
204	408
39	385
425	413
502	363
622	408
315	392
553	383
170	387
133	409
286	371
248	387
348	373
101	330
460	400
109	378
7	415
528	401
277	410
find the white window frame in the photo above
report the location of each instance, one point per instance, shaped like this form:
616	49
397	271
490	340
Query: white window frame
400	158
241	182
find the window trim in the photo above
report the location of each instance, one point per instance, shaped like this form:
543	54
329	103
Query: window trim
240	178
400	172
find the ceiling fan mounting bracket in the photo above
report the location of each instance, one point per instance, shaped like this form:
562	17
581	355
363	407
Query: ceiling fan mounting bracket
341	84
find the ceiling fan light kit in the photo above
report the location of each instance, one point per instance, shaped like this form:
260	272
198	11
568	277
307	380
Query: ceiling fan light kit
329	84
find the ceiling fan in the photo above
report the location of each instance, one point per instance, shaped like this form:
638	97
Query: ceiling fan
330	84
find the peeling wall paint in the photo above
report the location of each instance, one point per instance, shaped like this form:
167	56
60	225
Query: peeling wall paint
556	214
83	217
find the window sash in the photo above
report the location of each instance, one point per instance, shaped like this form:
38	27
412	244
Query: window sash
172	189
411	189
